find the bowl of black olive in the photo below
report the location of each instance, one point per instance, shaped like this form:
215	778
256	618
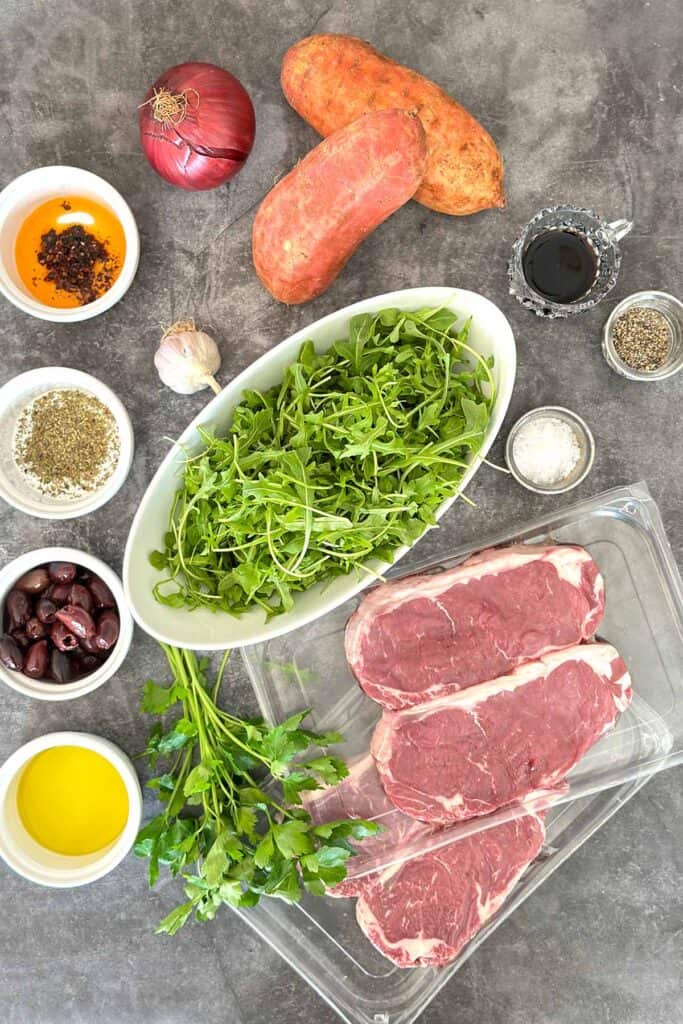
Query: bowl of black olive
66	627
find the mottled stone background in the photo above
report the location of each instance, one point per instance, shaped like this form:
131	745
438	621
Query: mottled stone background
584	99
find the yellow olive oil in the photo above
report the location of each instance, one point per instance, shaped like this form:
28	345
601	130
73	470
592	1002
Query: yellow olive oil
72	800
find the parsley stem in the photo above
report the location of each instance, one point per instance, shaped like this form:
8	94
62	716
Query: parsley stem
225	828
221	673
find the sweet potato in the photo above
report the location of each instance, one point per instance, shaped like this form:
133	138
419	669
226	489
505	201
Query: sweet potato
312	221
332	79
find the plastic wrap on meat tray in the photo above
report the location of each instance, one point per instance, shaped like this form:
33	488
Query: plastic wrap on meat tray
490	745
643	618
422	912
361	795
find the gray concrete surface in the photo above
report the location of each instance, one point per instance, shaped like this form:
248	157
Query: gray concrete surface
584	99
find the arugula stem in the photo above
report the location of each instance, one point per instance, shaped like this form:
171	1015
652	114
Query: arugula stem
385	423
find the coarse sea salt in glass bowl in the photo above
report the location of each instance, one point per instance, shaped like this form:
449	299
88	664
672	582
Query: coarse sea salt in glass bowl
16	486
572	458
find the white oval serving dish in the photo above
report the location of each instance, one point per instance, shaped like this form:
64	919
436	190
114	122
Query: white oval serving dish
203	630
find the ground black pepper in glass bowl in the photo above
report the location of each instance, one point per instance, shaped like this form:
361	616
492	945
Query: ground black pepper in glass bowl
632	351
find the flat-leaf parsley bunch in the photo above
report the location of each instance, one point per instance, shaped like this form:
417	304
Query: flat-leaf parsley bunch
232	794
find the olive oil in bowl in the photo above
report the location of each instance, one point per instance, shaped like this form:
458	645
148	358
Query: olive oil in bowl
70	808
72	801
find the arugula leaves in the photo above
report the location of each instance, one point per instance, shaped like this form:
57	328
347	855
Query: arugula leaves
232	801
346	460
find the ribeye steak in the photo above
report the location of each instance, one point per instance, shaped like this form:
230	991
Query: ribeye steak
423	912
501	741
426	636
360	795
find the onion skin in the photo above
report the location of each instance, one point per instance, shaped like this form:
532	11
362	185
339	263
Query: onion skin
214	138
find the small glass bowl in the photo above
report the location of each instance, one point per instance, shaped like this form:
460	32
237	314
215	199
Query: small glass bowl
672	310
603	237
583	436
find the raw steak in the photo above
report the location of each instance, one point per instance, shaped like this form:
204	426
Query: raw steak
490	745
423	912
426	636
360	795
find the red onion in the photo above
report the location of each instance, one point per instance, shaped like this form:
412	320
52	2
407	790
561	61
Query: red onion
197	126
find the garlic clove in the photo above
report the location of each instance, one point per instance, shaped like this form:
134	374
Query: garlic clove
187	359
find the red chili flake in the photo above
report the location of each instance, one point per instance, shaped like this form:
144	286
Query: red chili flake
77	262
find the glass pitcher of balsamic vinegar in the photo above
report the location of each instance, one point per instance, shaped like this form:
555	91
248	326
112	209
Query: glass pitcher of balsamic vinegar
565	261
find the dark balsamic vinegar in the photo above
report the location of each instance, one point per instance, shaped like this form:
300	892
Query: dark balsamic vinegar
560	265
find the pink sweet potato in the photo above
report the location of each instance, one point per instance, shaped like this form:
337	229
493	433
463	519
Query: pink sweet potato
333	79
313	220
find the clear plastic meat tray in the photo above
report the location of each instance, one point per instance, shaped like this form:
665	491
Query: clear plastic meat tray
623	531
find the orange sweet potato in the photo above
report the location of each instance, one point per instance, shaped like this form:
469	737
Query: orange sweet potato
312	221
332	79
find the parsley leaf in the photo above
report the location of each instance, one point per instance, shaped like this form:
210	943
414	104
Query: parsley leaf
174	921
233	825
292	838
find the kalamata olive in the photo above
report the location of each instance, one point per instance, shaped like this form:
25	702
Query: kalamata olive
34	581
19	636
87	644
45	610
35	629
60	667
62	572
101	593
76	620
62	637
18	607
59	593
87	663
81	596
107	630
10	654
37	657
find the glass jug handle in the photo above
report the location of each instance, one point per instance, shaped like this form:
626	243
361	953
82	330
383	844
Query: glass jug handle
617	229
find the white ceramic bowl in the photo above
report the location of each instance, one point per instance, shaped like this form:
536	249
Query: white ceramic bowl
25	856
29	191
37	688
15	489
490	334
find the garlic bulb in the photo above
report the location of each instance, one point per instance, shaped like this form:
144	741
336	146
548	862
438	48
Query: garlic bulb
187	359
